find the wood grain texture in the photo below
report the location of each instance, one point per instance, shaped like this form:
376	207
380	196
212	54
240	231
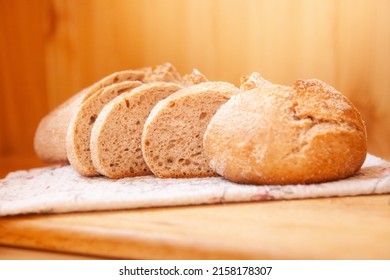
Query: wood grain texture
50	49
330	228
23	95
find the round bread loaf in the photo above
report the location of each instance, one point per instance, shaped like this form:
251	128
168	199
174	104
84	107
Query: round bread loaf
273	134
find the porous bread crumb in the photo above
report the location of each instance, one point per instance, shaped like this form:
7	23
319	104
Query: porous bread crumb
173	133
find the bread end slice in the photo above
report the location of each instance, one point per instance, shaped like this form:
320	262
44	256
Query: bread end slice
50	135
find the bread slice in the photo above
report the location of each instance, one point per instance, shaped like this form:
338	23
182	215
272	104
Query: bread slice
116	136
80	127
173	132
50	136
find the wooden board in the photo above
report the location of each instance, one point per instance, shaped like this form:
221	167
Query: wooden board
330	228
12	253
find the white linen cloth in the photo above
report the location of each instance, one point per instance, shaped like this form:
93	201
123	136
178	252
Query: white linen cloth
60	189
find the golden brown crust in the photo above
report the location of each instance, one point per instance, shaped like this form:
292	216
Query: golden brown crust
309	133
254	80
194	78
162	73
50	136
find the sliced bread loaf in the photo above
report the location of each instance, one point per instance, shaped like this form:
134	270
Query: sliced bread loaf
80	126
50	136
116	136
173	132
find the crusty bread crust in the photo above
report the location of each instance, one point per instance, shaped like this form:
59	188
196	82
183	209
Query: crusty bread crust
80	127
116	136
50	136
162	73
254	80
194	78
272	134
173	132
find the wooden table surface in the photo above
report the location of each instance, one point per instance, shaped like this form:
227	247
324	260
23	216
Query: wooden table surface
327	228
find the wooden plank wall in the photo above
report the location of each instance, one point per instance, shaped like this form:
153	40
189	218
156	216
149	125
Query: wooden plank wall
50	49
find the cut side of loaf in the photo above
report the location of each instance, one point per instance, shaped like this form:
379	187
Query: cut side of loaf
116	135
50	136
173	132
80	127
